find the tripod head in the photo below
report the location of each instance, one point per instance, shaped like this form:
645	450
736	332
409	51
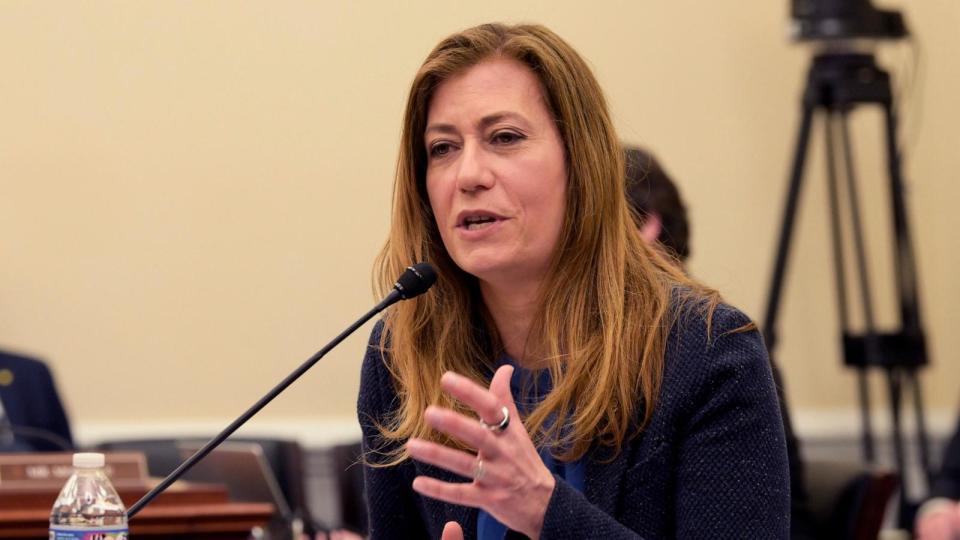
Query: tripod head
839	81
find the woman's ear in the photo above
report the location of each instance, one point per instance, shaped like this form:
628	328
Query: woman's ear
651	228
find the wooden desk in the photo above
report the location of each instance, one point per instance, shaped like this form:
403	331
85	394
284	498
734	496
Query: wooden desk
184	511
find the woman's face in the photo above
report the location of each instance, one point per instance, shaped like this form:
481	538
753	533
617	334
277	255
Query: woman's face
496	172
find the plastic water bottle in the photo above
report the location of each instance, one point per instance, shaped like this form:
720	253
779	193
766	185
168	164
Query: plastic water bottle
88	507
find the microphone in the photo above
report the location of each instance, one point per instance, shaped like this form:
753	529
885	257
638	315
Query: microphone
416	280
413	282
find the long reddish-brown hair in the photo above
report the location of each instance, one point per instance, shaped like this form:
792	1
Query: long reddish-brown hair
606	305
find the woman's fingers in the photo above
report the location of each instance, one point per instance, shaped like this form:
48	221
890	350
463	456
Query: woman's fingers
500	388
452	531
466	430
463	494
452	460
478	398
500	383
516	486
465	464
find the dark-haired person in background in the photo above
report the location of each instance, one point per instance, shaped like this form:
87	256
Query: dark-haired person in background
31	415
662	220
656	202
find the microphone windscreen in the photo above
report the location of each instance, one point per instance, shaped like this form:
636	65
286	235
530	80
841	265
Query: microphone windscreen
416	280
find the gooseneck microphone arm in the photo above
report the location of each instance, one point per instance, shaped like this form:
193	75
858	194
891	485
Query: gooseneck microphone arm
414	282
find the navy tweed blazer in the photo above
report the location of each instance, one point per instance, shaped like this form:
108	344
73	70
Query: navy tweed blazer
712	462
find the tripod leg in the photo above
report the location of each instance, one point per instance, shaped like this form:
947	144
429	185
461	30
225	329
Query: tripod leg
904	260
871	341
786	229
836	233
798	492
832	124
922	441
906	281
872	351
895	388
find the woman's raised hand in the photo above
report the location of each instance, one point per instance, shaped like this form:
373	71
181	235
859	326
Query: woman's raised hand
510	481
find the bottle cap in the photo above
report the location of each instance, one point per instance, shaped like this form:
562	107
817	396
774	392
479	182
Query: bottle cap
88	460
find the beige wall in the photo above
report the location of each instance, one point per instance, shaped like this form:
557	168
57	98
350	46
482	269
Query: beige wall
191	193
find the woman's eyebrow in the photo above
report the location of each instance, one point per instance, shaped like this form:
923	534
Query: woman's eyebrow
440	128
484	123
496	117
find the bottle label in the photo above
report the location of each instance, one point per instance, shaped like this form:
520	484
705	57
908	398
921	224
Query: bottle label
62	532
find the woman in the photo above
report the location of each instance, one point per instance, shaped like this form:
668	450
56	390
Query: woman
616	398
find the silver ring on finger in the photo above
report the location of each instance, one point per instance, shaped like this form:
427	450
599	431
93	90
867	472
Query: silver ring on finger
478	471
502	425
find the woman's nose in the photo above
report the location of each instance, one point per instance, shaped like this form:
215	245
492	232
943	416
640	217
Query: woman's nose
473	171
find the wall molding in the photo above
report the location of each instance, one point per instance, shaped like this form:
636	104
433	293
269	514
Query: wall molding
837	423
310	431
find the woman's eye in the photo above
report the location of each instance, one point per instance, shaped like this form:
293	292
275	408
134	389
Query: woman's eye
505	137
439	149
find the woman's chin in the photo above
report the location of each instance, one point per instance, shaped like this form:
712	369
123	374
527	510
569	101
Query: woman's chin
484	268
485	272
501	275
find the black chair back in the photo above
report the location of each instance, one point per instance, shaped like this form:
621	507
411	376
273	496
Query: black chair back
847	500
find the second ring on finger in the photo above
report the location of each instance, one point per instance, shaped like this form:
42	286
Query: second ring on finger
486	472
479	472
474	467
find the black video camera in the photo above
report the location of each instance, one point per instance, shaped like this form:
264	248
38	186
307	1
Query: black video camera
823	20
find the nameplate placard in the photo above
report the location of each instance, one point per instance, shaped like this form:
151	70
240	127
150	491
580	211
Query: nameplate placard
43	470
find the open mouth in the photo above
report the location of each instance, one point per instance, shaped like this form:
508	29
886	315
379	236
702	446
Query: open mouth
472	223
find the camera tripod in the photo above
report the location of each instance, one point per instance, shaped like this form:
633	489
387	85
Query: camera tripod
836	84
